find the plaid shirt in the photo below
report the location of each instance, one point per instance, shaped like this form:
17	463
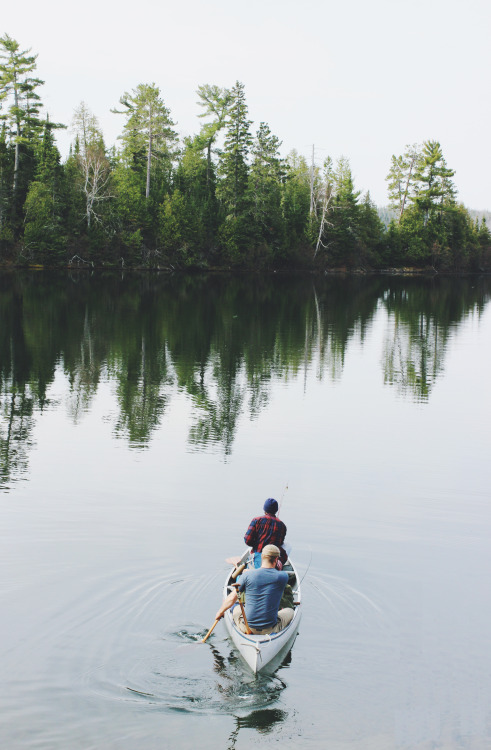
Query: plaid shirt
265	530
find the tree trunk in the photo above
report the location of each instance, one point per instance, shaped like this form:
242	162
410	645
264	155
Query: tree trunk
17	144
149	156
406	189
208	164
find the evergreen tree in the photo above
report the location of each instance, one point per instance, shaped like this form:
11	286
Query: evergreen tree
48	169
233	170
19	88
43	237
233	167
216	102
6	173
266	177
344	234
434	187
296	201
187	217
148	137
371	232
401	178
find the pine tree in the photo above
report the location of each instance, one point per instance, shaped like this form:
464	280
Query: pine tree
148	137
434	187
216	102
24	126
401	178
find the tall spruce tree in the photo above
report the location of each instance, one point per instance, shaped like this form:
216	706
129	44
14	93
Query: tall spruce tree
232	188
43	239
267	174
345	216
233	167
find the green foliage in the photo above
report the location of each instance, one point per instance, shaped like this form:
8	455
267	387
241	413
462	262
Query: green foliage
371	232
341	234
295	200
6	175
155	202
215	102
434	188
18	89
148	138
233	166
266	179
233	237
401	178
43	239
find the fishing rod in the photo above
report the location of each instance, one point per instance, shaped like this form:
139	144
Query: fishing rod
308	566
281	499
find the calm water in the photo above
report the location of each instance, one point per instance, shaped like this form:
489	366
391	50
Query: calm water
143	422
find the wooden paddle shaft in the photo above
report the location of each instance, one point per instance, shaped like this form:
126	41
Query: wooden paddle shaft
210	631
238	571
249	631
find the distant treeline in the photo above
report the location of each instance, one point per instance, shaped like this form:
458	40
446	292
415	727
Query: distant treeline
222	198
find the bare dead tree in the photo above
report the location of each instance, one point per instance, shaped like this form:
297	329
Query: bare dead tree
325	207
92	162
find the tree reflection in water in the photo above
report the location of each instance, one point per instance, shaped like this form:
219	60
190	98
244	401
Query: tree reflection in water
222	341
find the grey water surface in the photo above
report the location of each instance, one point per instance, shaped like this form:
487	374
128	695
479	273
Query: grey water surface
143	422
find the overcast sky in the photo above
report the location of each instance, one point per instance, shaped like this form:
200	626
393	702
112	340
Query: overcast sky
356	79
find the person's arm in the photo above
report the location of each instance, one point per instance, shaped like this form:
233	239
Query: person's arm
283	534
250	535
227	603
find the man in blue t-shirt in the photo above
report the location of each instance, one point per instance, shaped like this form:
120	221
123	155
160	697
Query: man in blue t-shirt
264	588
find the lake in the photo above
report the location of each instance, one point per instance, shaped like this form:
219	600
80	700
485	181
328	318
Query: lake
144	419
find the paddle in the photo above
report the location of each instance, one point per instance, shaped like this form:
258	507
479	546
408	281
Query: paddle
210	631
249	631
239	563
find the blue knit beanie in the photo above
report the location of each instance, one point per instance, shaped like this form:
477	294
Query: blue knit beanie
271	506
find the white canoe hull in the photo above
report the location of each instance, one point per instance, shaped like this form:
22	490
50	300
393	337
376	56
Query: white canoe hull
259	651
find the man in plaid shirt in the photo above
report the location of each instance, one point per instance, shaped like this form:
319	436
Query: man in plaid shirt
267	529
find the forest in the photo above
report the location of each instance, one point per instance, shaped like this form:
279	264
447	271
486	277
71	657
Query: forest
224	198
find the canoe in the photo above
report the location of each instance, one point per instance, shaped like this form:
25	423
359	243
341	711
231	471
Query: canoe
260	651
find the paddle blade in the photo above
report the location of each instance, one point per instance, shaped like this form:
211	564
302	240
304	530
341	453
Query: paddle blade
238	560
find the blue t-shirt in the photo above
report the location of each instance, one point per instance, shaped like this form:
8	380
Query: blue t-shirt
264	588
